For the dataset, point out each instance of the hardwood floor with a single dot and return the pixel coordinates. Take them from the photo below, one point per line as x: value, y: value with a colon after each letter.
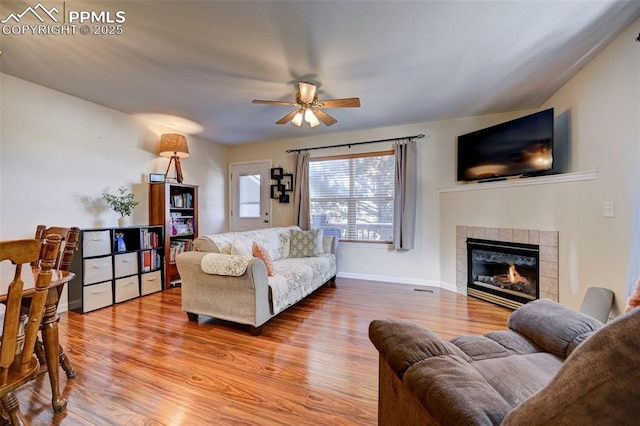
x: 143, y: 363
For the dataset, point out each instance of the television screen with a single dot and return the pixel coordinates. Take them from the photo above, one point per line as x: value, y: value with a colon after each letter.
x: 523, y: 146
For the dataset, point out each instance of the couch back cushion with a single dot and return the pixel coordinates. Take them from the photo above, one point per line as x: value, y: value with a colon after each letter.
x: 276, y: 240
x: 552, y: 326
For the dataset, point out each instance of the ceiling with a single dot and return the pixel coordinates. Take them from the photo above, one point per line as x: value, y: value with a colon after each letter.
x: 408, y: 61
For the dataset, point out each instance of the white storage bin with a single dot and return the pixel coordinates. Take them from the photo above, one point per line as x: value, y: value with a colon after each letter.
x: 97, y: 296
x: 151, y: 282
x: 96, y: 243
x: 127, y: 288
x: 126, y: 264
x: 97, y: 269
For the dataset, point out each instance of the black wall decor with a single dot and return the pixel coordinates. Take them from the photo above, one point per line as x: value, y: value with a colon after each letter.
x: 283, y: 184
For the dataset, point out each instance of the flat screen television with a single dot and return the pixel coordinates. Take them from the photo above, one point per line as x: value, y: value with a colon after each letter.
x: 520, y: 147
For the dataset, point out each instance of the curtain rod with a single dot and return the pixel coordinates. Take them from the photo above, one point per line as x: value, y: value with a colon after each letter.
x: 420, y: 136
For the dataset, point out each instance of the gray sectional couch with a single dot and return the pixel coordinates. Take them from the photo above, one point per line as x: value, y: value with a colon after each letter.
x: 553, y: 366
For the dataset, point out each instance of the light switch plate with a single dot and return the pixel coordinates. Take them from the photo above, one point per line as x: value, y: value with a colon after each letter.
x: 607, y: 209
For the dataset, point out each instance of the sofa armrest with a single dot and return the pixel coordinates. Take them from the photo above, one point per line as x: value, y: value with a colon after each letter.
x: 404, y: 343
x: 437, y: 373
x: 244, y: 299
x: 552, y: 326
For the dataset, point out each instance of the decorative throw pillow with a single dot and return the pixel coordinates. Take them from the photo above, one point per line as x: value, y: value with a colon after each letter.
x: 262, y: 253
x: 239, y: 248
x: 284, y: 244
x: 634, y: 299
x: 305, y: 243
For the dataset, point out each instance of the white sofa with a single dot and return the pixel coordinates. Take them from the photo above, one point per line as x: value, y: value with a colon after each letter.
x: 236, y: 286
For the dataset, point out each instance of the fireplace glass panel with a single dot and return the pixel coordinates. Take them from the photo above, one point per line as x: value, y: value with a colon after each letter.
x: 507, y: 270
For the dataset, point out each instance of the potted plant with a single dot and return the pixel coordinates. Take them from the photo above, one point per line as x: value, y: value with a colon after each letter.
x: 124, y: 203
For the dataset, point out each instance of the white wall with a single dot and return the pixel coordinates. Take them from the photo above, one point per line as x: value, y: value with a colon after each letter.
x: 59, y: 153
x: 603, y: 102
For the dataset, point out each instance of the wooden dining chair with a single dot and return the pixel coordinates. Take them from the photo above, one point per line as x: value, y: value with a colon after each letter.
x: 69, y: 246
x: 18, y: 362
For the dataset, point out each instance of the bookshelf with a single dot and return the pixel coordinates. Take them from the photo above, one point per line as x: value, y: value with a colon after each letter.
x: 174, y: 206
x: 115, y: 265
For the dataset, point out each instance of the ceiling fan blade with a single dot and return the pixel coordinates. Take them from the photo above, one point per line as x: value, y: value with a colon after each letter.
x: 325, y: 118
x: 340, y: 103
x: 287, y: 118
x: 307, y: 91
x: 258, y: 101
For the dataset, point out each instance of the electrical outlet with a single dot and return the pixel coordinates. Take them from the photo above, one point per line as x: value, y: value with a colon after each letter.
x: 607, y: 209
x: 342, y: 255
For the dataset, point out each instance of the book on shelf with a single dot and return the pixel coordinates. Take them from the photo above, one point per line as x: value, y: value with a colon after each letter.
x: 150, y: 260
x: 182, y: 201
x: 149, y: 239
x: 178, y: 246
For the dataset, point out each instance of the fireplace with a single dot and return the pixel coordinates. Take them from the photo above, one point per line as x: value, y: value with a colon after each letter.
x: 503, y: 273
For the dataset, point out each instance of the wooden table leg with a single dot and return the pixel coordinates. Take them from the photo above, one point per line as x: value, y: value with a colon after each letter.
x: 51, y: 349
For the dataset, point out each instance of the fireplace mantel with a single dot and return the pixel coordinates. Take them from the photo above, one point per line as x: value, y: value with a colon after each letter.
x: 539, y: 180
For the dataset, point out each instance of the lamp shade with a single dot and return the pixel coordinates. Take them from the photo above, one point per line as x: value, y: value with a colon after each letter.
x: 173, y: 145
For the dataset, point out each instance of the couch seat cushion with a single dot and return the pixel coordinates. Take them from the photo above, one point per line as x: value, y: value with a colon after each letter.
x: 294, y: 278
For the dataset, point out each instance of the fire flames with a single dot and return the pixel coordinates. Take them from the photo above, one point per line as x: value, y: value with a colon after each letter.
x: 514, y: 276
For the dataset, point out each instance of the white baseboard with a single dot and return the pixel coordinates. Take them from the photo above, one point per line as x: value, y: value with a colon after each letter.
x: 63, y: 307
x: 399, y: 280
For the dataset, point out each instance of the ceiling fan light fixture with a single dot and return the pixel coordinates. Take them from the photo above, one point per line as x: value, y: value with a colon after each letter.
x: 297, y: 119
x: 311, y: 118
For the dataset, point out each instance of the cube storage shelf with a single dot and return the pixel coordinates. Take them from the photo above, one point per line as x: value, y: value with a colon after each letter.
x: 114, y: 265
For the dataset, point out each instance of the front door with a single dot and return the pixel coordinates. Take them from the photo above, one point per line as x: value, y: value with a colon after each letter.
x: 250, y: 203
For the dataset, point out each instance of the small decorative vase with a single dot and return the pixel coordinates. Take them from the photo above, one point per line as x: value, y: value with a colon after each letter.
x: 124, y: 221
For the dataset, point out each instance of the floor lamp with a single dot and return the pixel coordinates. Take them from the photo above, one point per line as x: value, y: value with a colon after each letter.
x: 174, y: 146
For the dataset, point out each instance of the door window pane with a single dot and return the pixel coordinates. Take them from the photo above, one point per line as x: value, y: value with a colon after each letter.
x: 249, y: 195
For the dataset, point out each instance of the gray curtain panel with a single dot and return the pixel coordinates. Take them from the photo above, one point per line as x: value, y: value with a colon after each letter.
x: 404, y: 208
x: 301, y: 212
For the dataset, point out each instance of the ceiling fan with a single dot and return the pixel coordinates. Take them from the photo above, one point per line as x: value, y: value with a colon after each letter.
x: 308, y: 107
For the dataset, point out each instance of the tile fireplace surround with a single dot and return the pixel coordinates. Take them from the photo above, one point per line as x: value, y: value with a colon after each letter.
x: 547, y: 240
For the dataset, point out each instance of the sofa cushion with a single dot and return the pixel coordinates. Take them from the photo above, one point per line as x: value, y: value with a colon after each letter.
x: 551, y: 325
x: 306, y: 243
x: 294, y: 278
x: 517, y: 377
x: 454, y: 393
x: 224, y: 264
x: 514, y: 342
x: 275, y: 240
x: 597, y: 384
x: 239, y: 248
x: 263, y: 254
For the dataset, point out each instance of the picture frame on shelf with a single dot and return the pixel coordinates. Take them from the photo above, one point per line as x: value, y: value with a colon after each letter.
x: 276, y: 191
x: 157, y: 177
x: 284, y: 198
x: 276, y: 173
x: 287, y: 182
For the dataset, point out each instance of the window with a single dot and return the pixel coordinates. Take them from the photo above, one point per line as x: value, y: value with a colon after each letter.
x: 354, y: 194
